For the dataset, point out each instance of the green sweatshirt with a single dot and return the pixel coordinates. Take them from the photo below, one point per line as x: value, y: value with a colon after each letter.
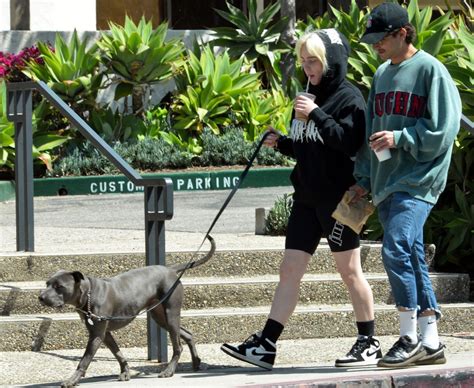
x: 418, y: 101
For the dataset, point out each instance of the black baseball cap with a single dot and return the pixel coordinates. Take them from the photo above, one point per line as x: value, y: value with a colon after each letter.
x: 383, y: 19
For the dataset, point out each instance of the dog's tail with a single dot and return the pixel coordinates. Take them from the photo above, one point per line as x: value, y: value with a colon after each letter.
x: 182, y: 267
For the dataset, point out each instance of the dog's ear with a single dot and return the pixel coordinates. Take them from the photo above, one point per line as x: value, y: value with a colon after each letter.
x: 78, y: 276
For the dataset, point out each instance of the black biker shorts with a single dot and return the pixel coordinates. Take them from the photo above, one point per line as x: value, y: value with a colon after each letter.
x: 308, y: 223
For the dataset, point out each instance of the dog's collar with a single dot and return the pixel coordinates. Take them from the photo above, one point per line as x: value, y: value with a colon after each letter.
x: 88, y: 313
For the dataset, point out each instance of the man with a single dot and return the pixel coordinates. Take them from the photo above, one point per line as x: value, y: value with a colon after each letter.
x: 414, y: 111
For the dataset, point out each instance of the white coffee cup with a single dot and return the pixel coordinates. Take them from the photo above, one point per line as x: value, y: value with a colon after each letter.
x: 383, y: 155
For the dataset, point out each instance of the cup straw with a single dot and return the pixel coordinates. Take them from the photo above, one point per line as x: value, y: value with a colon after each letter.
x: 307, y: 86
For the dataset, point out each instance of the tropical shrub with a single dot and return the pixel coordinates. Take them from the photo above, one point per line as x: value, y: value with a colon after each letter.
x: 227, y: 149
x: 11, y: 70
x: 276, y: 221
x: 258, y: 38
x: 70, y: 69
x: 45, y: 141
x: 7, y: 133
x: 451, y: 222
x: 139, y: 56
x: 207, y: 87
x: 260, y: 109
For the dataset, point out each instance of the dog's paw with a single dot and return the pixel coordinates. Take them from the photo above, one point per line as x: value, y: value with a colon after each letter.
x: 68, y: 384
x: 196, y: 364
x: 166, y: 373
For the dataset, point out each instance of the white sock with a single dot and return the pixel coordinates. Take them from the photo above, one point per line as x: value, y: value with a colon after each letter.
x: 408, y: 325
x: 429, y: 331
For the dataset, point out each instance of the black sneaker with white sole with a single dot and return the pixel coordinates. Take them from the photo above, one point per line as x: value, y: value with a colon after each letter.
x: 365, y: 351
x: 403, y: 353
x: 254, y: 350
x: 433, y: 356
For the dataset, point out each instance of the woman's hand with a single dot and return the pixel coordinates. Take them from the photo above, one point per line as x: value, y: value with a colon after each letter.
x: 272, y: 137
x: 304, y: 105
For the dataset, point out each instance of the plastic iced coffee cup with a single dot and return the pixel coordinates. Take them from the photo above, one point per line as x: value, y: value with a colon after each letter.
x: 299, y: 115
x: 383, y: 154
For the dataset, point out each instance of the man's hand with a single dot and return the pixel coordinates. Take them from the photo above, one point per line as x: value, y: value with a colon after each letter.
x: 381, y: 140
x: 359, y: 192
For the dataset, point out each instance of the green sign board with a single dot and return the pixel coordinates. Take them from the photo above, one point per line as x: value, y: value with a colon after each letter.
x: 116, y: 184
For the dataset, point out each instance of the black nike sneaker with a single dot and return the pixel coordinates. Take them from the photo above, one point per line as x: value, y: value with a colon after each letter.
x: 254, y: 350
x: 364, y: 352
x: 403, y: 353
x: 433, y: 356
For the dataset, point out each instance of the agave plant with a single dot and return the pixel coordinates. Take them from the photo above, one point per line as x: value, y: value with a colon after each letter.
x: 256, y: 37
x: 139, y: 56
x: 207, y: 88
x: 113, y: 126
x: 70, y: 69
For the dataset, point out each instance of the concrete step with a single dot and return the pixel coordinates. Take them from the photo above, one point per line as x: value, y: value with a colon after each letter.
x: 204, y: 292
x: 66, y: 331
x: 31, y: 267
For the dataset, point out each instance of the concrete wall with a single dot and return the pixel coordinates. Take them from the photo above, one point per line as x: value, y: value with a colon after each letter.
x: 55, y: 15
x: 14, y: 41
x: 4, y: 15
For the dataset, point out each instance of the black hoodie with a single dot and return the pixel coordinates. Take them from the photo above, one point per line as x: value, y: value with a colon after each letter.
x: 324, y: 150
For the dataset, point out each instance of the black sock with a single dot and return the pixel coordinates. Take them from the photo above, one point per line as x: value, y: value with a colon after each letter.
x: 272, y: 330
x: 366, y: 329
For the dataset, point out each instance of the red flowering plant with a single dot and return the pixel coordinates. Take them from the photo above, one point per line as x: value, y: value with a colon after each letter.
x: 46, y: 135
x: 12, y: 65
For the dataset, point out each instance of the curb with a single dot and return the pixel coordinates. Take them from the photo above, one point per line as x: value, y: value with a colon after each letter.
x: 447, y: 377
x: 182, y: 181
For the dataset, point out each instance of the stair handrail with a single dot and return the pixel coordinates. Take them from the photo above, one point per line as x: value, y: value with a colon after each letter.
x: 158, y: 191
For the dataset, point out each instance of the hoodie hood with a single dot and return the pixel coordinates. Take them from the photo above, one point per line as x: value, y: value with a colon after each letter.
x: 337, y: 54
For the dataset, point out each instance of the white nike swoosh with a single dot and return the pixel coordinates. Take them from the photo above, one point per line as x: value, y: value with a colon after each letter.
x: 255, y: 352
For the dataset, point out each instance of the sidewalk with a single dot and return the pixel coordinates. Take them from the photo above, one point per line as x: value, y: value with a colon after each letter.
x: 114, y: 223
x: 315, y: 368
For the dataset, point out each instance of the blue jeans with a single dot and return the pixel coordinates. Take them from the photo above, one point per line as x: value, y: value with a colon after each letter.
x: 402, y: 217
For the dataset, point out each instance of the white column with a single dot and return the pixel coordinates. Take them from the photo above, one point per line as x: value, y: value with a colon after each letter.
x: 62, y: 15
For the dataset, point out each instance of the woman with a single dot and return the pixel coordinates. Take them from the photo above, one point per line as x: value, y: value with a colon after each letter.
x: 323, y: 145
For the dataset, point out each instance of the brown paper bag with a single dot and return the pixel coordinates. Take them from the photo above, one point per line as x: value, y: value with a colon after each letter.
x: 354, y: 214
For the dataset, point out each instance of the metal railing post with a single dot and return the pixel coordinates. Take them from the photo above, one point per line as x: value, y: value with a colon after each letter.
x: 158, y: 192
x: 158, y: 208
x: 19, y: 111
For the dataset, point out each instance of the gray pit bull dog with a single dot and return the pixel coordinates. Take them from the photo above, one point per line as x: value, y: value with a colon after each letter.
x: 125, y: 295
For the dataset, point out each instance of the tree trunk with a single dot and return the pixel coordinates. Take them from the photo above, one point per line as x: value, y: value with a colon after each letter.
x: 19, y: 14
x: 137, y: 101
x: 288, y: 36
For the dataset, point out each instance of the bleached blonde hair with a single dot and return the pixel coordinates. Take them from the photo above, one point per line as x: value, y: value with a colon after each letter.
x: 315, y: 46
